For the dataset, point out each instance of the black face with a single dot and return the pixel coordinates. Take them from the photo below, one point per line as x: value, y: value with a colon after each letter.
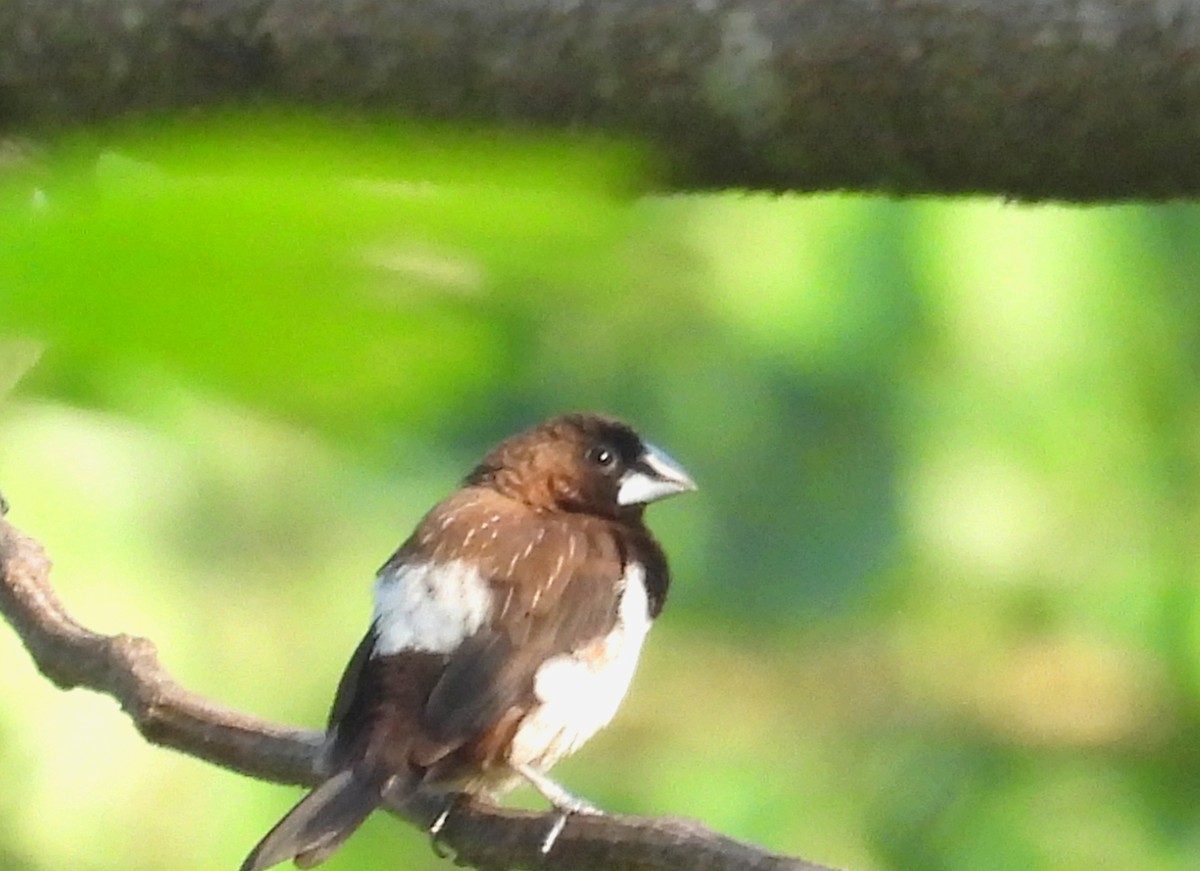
x: 612, y: 448
x: 608, y: 449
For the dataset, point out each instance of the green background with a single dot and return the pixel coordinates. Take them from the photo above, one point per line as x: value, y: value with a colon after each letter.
x: 935, y: 603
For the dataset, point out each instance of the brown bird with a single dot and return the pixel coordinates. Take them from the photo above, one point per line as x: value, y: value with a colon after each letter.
x: 506, y: 631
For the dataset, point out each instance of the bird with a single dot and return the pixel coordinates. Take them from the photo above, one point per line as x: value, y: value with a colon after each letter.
x: 505, y: 633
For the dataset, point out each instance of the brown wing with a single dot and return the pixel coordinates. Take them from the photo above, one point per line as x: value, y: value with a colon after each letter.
x: 556, y: 584
x: 375, y: 718
x: 492, y: 673
x: 348, y: 686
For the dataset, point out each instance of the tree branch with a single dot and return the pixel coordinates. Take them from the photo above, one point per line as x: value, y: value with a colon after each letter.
x: 1025, y: 98
x: 485, y: 837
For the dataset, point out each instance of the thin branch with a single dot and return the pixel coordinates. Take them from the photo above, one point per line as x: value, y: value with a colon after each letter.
x: 1066, y: 100
x: 485, y: 837
x: 127, y: 668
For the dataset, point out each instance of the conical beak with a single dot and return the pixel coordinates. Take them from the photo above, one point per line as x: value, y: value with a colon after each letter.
x: 654, y: 476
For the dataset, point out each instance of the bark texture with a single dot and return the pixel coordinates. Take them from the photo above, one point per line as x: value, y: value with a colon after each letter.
x: 1068, y: 99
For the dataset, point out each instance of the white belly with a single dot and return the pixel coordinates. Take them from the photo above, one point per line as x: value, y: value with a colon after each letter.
x: 579, y: 692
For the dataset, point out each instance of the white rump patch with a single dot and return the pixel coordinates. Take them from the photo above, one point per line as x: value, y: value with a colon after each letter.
x: 429, y: 606
x: 579, y: 692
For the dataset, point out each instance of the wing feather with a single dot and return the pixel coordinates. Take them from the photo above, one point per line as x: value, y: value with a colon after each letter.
x: 556, y: 587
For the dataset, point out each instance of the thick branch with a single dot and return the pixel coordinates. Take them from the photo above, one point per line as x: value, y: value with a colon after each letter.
x: 127, y: 669
x: 1025, y: 98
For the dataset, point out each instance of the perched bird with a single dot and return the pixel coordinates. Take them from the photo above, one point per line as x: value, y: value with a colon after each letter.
x: 505, y: 633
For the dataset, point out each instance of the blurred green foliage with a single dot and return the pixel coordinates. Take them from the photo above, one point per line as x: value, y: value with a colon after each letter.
x: 935, y: 604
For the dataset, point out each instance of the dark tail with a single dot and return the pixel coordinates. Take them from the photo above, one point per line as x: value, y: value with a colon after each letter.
x: 318, y: 824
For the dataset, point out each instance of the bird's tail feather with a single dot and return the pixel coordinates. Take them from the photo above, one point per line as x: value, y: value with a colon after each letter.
x: 318, y: 824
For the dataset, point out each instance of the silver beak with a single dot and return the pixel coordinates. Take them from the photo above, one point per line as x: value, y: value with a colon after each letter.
x: 654, y: 476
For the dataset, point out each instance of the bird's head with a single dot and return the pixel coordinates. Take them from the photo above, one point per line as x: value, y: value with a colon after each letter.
x: 582, y: 463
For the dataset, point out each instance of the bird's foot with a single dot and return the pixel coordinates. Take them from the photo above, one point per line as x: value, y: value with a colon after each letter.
x: 560, y: 823
x: 564, y: 802
x: 573, y: 804
x: 436, y: 827
x: 576, y: 806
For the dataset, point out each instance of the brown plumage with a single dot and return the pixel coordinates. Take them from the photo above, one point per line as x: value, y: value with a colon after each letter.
x: 506, y: 630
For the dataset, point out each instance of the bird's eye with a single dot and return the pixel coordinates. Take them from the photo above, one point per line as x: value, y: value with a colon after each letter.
x: 602, y: 457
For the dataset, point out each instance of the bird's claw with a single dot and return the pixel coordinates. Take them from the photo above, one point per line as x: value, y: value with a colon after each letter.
x: 560, y: 823
x: 435, y: 830
x: 566, y: 809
